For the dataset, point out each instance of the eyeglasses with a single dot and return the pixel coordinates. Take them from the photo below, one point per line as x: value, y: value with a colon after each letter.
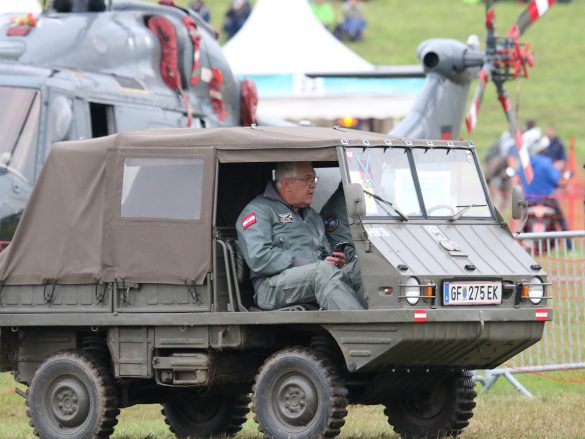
x: 307, y: 180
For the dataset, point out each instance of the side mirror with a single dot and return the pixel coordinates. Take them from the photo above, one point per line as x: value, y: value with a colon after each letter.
x: 356, y: 202
x: 517, y: 202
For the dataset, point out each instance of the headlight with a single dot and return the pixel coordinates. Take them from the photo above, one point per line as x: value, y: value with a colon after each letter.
x: 535, y: 290
x: 412, y: 290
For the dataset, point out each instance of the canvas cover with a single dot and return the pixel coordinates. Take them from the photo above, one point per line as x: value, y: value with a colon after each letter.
x: 72, y: 232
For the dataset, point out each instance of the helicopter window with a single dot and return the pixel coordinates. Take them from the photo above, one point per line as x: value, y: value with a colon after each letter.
x: 19, y: 125
x: 162, y: 188
x: 102, y: 119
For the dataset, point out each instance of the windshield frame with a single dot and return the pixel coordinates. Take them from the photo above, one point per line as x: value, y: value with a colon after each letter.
x: 22, y: 159
x: 424, y: 216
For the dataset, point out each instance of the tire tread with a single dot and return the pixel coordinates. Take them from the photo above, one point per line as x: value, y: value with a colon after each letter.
x: 338, y: 392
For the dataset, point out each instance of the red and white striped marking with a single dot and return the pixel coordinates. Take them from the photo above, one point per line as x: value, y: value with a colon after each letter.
x: 541, y: 314
x: 489, y: 18
x: 524, y: 157
x: 537, y: 8
x: 420, y: 315
x: 471, y: 119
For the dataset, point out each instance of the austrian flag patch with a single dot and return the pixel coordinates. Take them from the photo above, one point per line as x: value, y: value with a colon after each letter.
x: 248, y: 220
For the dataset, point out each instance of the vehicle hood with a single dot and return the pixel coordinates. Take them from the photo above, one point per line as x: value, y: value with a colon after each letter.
x: 446, y: 249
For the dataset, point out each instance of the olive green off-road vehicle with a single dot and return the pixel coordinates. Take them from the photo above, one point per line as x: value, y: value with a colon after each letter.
x: 123, y: 286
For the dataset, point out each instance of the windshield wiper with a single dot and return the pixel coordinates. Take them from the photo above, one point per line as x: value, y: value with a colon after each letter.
x: 402, y: 216
x: 465, y: 208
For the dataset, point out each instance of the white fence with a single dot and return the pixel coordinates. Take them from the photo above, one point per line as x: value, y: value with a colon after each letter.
x: 562, y: 256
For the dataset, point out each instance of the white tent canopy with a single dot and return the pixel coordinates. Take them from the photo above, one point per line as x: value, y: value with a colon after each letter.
x: 282, y: 40
x: 19, y: 6
x: 284, y: 37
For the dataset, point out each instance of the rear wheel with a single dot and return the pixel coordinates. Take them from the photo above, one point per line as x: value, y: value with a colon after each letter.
x: 208, y: 416
x: 298, y: 395
x: 442, y: 411
x: 72, y: 396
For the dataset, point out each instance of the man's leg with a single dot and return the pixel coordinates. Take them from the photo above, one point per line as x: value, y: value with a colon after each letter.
x: 333, y: 288
x: 353, y: 273
x: 320, y: 281
x: 294, y: 285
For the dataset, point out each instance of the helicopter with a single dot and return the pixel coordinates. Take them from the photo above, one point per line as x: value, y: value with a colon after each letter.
x: 87, y: 68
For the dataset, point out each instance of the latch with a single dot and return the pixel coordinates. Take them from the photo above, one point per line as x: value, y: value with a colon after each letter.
x: 123, y: 288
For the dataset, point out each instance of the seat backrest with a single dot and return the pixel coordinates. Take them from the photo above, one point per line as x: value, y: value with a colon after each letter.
x: 242, y: 269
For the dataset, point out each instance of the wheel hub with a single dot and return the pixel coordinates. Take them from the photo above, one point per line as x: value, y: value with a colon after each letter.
x: 69, y: 401
x: 296, y: 400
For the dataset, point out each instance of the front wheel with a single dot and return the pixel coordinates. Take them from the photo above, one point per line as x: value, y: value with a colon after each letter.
x: 207, y: 416
x: 72, y: 396
x: 298, y: 395
x: 441, y: 411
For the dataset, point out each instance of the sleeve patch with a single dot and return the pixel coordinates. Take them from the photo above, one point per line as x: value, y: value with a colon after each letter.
x: 248, y: 220
x: 331, y: 223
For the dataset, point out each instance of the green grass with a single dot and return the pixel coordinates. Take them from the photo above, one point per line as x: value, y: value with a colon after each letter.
x: 555, y: 412
x: 551, y: 95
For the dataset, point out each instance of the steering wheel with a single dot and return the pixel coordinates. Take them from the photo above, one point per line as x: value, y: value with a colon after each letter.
x: 442, y: 206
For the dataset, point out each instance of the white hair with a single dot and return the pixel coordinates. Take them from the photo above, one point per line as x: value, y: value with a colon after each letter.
x: 285, y: 170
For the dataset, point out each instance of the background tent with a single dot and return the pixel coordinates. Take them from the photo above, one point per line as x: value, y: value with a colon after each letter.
x: 282, y: 41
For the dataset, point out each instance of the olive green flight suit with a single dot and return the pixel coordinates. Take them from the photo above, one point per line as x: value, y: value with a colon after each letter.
x: 284, y: 250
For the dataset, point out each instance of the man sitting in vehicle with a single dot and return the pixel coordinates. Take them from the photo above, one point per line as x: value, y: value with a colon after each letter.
x: 283, y: 242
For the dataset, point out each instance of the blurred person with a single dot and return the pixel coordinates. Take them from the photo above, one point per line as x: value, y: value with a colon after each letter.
x: 353, y: 25
x: 546, y: 179
x: 203, y: 11
x: 236, y: 16
x: 555, y: 149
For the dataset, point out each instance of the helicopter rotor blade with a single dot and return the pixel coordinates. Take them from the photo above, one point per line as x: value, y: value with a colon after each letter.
x: 473, y: 113
x: 484, y: 73
x: 535, y: 10
x: 515, y: 131
x: 490, y: 16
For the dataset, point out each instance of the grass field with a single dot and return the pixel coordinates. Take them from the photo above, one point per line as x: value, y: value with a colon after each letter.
x: 551, y: 95
x: 555, y: 412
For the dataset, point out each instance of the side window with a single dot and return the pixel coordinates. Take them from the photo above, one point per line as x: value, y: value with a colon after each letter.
x: 162, y: 188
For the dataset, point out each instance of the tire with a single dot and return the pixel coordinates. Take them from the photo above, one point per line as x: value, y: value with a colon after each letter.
x: 209, y: 416
x: 298, y: 395
x: 444, y: 411
x: 72, y: 396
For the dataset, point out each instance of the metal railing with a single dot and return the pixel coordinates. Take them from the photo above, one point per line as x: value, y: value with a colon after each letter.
x: 562, y: 255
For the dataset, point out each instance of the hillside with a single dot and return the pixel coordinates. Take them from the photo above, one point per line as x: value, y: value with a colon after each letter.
x: 396, y: 27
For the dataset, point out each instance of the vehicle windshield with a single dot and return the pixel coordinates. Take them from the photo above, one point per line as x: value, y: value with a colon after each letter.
x: 449, y: 182
x: 450, y: 185
x: 385, y: 173
x: 19, y: 122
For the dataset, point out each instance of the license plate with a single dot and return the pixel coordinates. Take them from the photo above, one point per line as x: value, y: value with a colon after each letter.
x: 472, y: 293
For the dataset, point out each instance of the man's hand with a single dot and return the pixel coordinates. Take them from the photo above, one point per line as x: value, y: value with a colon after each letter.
x: 337, y: 258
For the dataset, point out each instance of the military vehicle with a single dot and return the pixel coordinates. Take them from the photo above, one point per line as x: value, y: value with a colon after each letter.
x: 123, y: 285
